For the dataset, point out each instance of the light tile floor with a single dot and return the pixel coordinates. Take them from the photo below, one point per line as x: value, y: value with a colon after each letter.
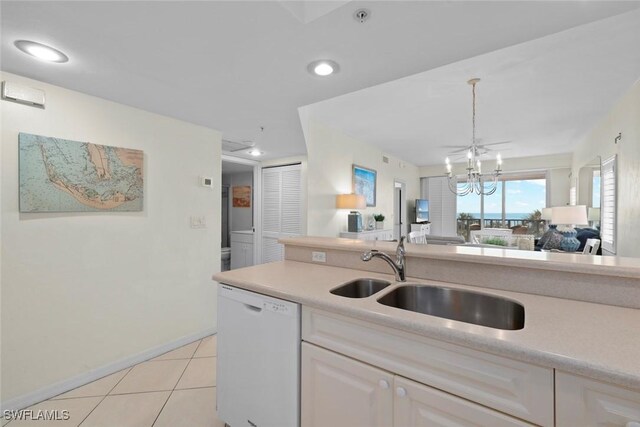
x: 176, y: 389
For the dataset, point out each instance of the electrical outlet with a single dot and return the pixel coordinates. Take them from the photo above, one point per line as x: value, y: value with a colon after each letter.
x: 319, y: 256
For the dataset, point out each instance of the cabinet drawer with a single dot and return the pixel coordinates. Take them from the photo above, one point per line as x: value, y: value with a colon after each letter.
x: 417, y: 405
x: 241, y: 237
x: 513, y: 387
x: 585, y: 403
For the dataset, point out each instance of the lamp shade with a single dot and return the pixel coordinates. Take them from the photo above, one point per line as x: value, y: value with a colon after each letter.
x: 350, y: 201
x: 593, y: 214
x: 546, y: 213
x: 569, y: 215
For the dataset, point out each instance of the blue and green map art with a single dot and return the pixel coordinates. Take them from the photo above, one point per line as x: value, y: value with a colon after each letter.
x: 58, y: 175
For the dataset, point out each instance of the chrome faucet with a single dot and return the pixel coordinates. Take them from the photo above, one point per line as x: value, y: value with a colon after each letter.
x: 398, y: 265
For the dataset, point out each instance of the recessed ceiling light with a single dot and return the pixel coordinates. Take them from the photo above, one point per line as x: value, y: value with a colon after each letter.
x: 255, y: 152
x: 41, y: 51
x: 323, y: 67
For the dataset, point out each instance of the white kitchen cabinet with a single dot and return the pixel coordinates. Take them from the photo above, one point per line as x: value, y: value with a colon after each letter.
x: 340, y: 392
x: 368, y: 235
x: 584, y: 402
x: 241, y: 249
x: 510, y: 386
x: 417, y: 405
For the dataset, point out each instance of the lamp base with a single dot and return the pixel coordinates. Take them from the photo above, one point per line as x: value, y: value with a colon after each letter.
x: 354, y: 223
x: 569, y: 242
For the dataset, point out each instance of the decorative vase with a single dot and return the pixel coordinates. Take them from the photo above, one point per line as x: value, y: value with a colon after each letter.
x: 379, y: 225
x: 569, y: 242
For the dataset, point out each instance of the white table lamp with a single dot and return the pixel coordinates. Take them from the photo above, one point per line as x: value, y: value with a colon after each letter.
x: 566, y: 217
x: 352, y: 201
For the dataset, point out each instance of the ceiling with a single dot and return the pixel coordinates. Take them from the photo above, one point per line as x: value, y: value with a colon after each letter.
x: 542, y: 95
x: 237, y: 66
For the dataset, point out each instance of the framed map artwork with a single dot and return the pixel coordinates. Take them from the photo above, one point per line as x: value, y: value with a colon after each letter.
x: 58, y: 175
x: 364, y: 183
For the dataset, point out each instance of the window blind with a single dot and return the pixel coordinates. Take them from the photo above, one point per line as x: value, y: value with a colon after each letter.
x: 608, y: 203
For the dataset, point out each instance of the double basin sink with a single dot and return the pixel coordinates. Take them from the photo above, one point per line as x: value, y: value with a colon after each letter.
x: 456, y: 304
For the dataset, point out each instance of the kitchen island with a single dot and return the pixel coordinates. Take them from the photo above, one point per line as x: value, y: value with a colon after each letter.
x: 572, y: 362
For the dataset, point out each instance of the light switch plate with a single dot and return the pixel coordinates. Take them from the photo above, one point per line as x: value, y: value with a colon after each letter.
x: 198, y: 222
x: 319, y: 256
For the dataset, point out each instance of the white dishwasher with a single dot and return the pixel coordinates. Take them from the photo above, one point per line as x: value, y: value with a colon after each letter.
x: 258, y: 371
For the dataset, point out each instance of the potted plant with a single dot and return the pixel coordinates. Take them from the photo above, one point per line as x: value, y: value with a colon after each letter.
x: 379, y: 221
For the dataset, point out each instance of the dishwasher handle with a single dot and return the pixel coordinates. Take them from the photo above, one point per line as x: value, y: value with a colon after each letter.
x: 253, y: 308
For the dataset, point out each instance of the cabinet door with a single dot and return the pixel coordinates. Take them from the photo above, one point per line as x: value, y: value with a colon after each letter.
x: 237, y: 255
x: 585, y: 403
x: 339, y: 392
x: 417, y: 405
x: 248, y: 255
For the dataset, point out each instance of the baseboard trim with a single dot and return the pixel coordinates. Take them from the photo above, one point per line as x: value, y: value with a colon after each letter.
x: 63, y: 386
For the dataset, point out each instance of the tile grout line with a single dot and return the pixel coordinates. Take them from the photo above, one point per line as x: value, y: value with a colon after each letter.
x: 105, y: 396
x: 176, y: 384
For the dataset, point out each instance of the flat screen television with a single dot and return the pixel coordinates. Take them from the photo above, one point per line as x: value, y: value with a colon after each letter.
x: 422, y: 210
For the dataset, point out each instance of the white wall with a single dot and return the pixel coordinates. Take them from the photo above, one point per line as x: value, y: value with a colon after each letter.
x: 331, y: 155
x: 623, y: 118
x: 82, y: 290
x: 239, y: 218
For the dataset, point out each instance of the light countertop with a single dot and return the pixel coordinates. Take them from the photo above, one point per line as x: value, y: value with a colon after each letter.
x: 595, y: 340
x: 575, y: 263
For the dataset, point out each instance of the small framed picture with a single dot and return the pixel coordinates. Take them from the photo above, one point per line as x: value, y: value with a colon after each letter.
x: 365, y: 183
x: 242, y: 196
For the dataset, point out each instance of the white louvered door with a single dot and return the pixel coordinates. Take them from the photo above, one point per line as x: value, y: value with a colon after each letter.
x: 281, y: 208
x: 608, y: 201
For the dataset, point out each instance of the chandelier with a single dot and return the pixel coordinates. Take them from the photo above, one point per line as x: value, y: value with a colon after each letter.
x: 476, y: 182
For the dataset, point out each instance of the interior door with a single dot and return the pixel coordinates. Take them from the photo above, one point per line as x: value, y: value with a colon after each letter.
x: 399, y: 210
x: 281, y: 208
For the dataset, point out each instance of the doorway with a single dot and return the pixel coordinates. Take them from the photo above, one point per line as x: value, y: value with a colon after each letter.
x: 239, y: 219
x: 399, y: 209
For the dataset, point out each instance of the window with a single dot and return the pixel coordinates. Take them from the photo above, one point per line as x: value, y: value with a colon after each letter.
x: 608, y: 203
x: 517, y: 203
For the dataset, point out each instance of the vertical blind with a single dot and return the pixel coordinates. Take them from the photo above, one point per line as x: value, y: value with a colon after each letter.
x: 608, y: 202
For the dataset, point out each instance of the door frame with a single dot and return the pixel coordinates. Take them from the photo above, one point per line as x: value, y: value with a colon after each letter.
x: 257, y: 202
x: 402, y: 225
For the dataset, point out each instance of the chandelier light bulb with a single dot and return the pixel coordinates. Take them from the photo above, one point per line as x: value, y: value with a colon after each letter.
x: 446, y: 161
x: 469, y: 154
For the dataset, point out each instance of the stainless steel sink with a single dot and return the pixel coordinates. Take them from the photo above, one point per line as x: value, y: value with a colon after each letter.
x: 360, y: 288
x: 456, y: 304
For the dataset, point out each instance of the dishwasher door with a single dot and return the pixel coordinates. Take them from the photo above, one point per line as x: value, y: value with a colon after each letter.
x: 258, y: 371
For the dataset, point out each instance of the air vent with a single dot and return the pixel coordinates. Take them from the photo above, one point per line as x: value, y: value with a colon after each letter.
x: 23, y: 94
x: 385, y: 159
x: 233, y: 146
